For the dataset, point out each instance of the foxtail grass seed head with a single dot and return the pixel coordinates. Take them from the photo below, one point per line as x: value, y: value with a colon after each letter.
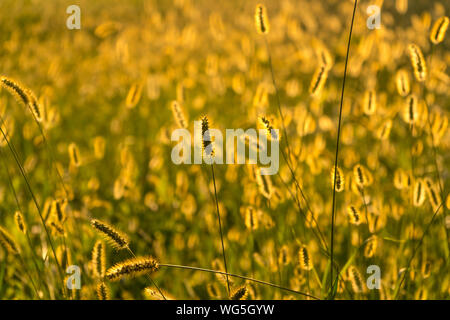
x: 265, y: 184
x: 34, y: 105
x: 354, y: 215
x: 132, y: 268
x: 20, y: 222
x: 116, y: 238
x: 370, y: 102
x: 283, y: 257
x: 371, y: 247
x: 419, y: 193
x: 134, y: 95
x: 418, y: 62
x: 356, y: 280
x: 402, y: 81
x: 102, y: 291
x: 304, y: 258
x: 57, y: 210
x: 178, y: 114
x: 251, y: 219
x: 239, y: 294
x: 99, y: 259
x: 361, y: 175
x: 266, y: 124
x: 318, y: 81
x: 207, y: 144
x: 8, y: 242
x: 411, y: 113
x: 432, y: 194
x: 23, y: 95
x: 384, y: 130
x: 439, y: 29
x: 340, y: 182
x: 261, y: 19
x: 57, y: 228
x: 74, y: 155
x: 16, y: 89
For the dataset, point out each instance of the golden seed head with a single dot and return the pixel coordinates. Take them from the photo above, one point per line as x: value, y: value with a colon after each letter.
x: 356, y: 280
x: 178, y: 114
x: 304, y: 258
x: 402, y: 81
x: 418, y: 62
x: 371, y: 247
x: 361, y: 175
x: 266, y: 124
x: 410, y: 113
x: 8, y: 242
x: 116, y: 238
x: 99, y: 259
x: 207, y: 144
x: 419, y: 193
x: 102, y: 291
x: 340, y: 182
x: 318, y: 80
x: 439, y: 29
x: 239, y: 294
x: 134, y: 95
x: 261, y: 19
x: 20, y: 222
x: 265, y: 184
x: 370, y: 102
x: 251, y: 219
x: 354, y: 215
x: 74, y: 155
x: 132, y: 268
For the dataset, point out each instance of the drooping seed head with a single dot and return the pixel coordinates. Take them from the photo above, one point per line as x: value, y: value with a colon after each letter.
x: 8, y: 242
x: 116, y: 238
x: 132, y: 268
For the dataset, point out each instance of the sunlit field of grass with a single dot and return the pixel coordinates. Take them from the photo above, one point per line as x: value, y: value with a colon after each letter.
x: 93, y: 207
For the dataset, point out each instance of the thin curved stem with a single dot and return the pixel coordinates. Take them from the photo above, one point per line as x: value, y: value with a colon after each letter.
x: 237, y: 276
x: 220, y: 227
x: 337, y: 144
